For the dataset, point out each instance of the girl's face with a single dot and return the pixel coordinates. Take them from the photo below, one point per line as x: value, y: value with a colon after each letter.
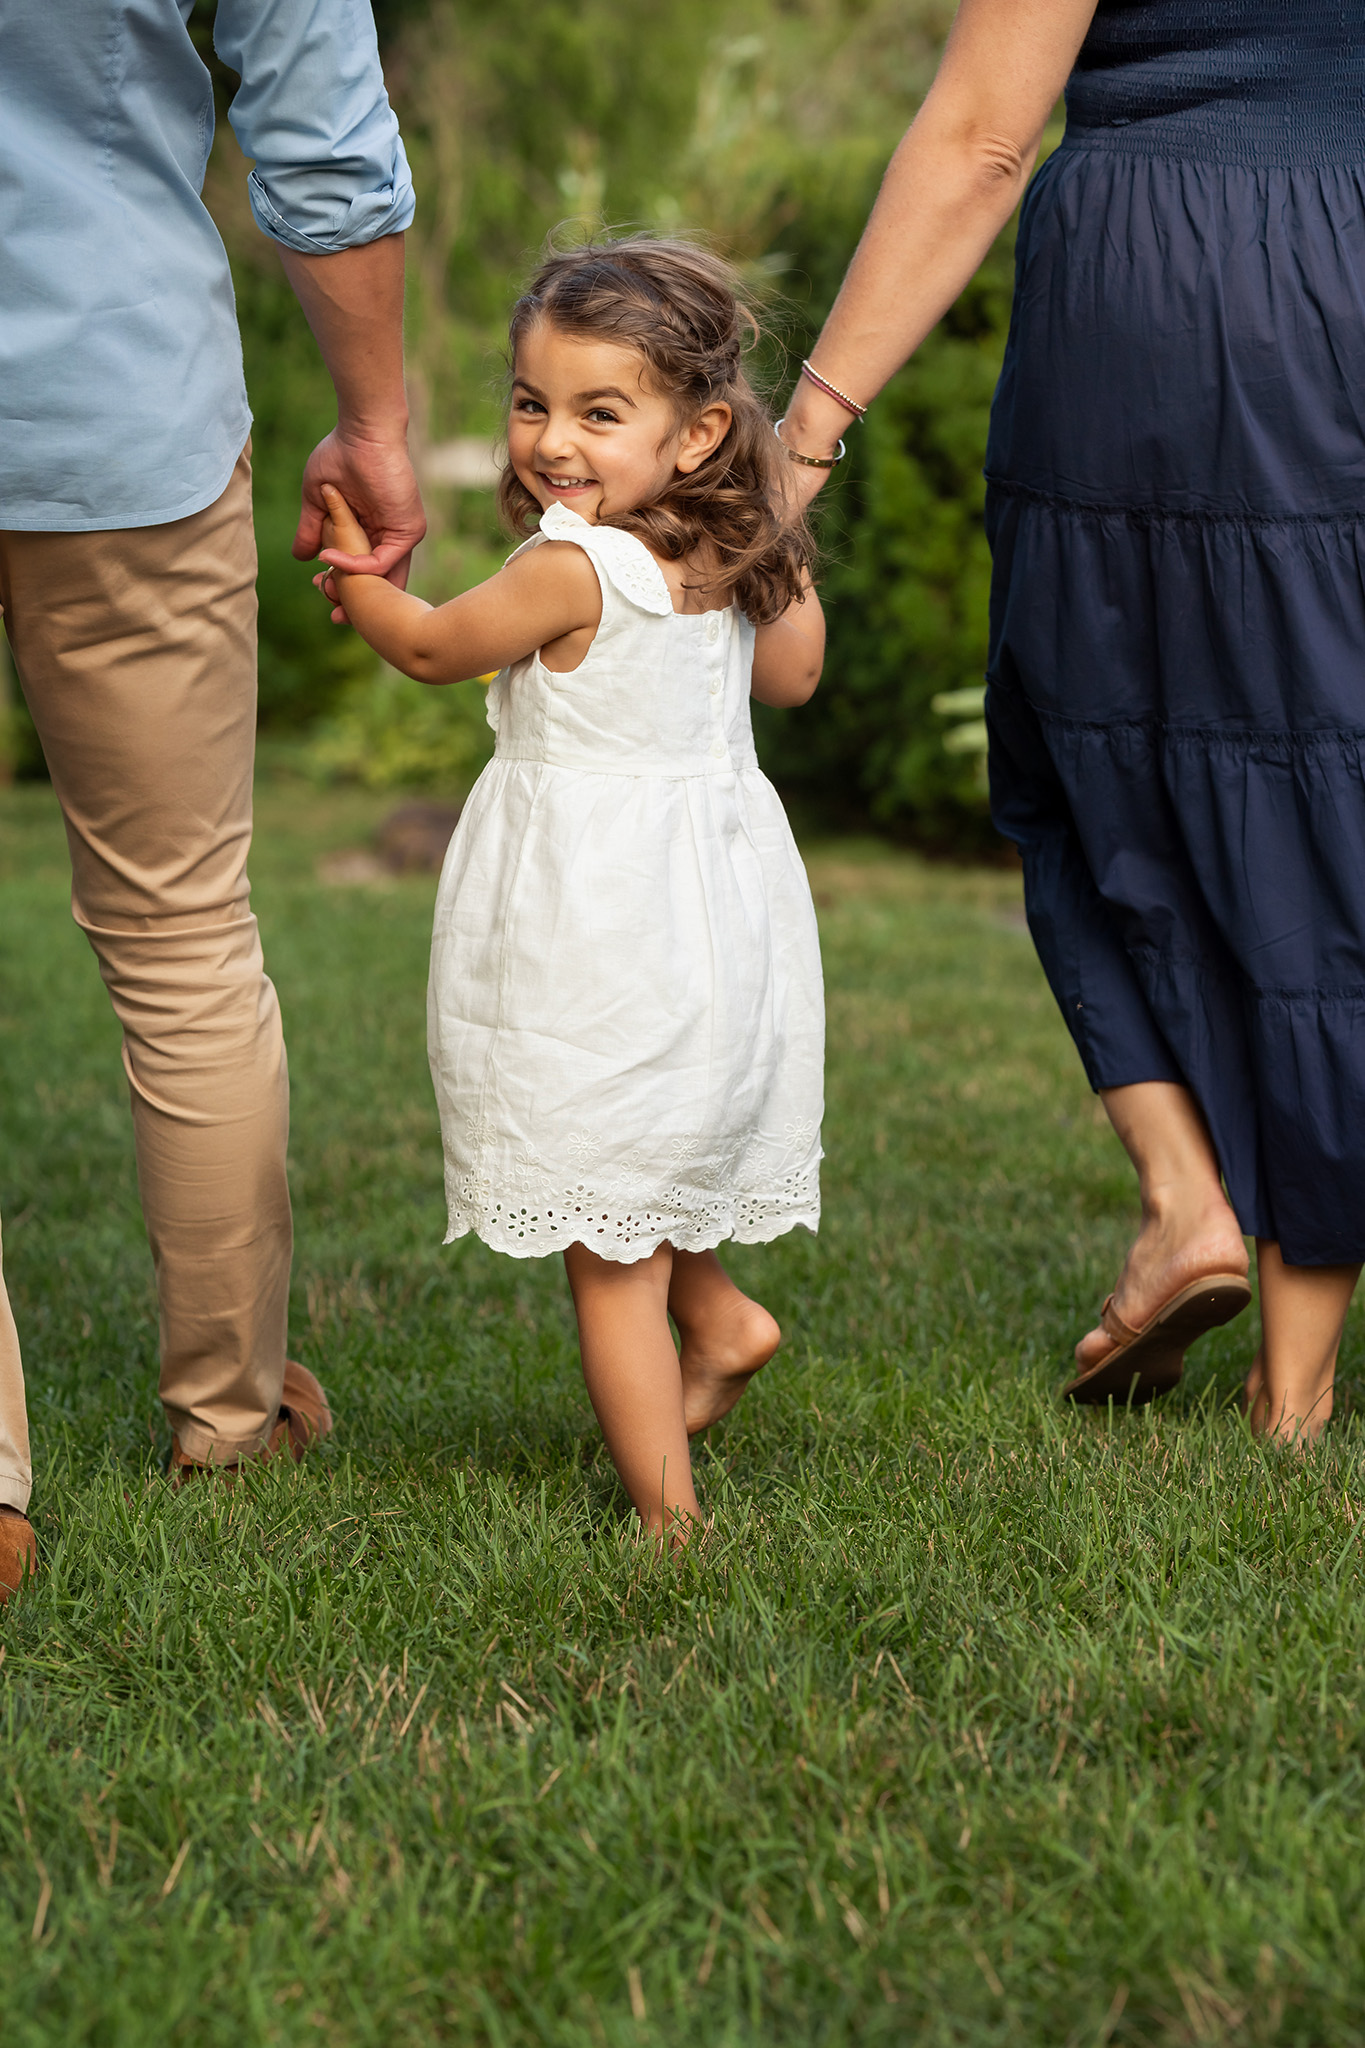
x: 588, y: 430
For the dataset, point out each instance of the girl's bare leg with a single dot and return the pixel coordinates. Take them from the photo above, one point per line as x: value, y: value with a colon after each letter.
x: 635, y: 1383
x: 1188, y: 1227
x: 1303, y: 1309
x: 726, y: 1337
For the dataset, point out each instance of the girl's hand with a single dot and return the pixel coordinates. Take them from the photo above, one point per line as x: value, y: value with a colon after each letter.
x: 342, y: 532
x: 342, y: 536
x: 326, y: 583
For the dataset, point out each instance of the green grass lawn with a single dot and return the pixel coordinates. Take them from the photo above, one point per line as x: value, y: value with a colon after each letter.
x: 975, y: 1721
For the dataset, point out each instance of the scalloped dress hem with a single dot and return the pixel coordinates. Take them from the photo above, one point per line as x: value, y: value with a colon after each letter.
x: 705, y: 1238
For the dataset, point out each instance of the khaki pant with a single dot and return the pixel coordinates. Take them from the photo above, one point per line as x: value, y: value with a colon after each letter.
x: 137, y: 654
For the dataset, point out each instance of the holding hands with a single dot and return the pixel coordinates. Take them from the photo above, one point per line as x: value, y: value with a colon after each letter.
x: 345, y: 545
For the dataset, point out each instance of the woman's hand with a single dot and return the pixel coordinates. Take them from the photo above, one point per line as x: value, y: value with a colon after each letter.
x: 815, y: 425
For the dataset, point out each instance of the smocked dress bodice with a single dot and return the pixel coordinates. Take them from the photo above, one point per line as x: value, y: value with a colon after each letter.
x: 660, y: 692
x: 1261, y: 82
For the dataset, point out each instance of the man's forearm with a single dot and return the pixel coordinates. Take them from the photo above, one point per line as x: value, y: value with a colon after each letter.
x: 353, y: 302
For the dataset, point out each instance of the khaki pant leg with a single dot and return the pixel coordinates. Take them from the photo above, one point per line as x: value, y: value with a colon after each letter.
x: 137, y: 654
x: 16, y: 1469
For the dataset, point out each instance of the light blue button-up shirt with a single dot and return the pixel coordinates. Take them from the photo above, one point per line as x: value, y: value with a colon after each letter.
x: 122, y: 401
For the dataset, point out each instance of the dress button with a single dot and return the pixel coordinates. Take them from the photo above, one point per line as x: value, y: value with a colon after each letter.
x: 712, y: 627
x: 718, y: 749
x: 715, y: 686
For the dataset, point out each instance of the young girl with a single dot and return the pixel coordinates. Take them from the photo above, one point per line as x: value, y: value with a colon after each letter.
x: 625, y: 1009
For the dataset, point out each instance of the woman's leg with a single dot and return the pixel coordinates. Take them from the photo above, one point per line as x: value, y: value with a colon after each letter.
x: 1303, y: 1309
x: 1188, y: 1228
x: 726, y: 1337
x: 634, y: 1381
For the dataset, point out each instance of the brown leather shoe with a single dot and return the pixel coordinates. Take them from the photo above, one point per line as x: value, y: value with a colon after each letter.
x: 18, y: 1552
x: 305, y: 1419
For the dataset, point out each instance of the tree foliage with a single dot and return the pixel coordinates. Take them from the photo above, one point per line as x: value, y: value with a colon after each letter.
x: 763, y: 124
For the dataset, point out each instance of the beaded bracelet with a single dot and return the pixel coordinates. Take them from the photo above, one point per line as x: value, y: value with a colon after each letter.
x: 833, y: 391
x: 811, y: 461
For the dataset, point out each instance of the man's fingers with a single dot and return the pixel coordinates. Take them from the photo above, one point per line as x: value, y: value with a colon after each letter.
x: 308, y: 534
x: 393, y: 554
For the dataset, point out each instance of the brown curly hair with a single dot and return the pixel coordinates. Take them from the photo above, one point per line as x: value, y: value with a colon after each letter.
x: 679, y: 305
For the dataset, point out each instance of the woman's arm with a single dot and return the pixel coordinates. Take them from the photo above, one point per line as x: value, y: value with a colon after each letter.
x: 539, y: 597
x: 789, y: 653
x: 949, y: 190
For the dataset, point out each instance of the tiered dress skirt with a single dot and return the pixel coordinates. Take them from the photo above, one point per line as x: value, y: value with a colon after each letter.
x: 1177, y: 669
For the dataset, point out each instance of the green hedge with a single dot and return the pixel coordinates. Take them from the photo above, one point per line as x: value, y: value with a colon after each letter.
x: 905, y: 586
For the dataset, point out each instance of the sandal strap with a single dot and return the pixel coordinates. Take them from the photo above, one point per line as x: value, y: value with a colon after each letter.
x: 1112, y: 1323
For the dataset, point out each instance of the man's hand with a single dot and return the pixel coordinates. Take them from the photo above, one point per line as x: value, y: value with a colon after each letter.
x: 354, y: 305
x: 375, y: 478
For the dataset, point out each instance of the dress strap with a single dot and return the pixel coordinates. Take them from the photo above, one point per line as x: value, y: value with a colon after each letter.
x: 620, y: 559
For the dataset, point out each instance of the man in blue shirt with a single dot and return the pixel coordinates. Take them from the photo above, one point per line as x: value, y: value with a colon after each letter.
x: 127, y: 577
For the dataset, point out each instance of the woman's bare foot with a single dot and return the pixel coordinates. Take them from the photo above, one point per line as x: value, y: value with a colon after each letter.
x: 725, y: 1337
x: 1188, y: 1227
x: 1288, y: 1392
x: 1283, y: 1428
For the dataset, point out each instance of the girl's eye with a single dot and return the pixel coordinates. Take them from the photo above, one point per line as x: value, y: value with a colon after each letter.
x: 532, y: 406
x: 600, y: 413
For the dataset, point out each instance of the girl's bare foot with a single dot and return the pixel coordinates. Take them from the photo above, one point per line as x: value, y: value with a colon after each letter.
x: 719, y: 1362
x: 725, y: 1337
x: 630, y: 1369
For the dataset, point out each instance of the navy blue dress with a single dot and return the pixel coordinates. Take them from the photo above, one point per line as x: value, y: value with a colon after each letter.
x: 1177, y: 513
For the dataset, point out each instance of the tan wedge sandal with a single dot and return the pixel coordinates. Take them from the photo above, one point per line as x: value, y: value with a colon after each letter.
x: 1149, y: 1361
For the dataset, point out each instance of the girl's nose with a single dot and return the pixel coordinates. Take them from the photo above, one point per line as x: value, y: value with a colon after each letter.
x: 555, y: 445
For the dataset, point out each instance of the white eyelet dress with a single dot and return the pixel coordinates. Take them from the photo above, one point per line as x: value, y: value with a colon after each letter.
x: 626, y: 1014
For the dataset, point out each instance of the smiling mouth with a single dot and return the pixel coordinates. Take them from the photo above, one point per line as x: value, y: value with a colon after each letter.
x: 567, y: 483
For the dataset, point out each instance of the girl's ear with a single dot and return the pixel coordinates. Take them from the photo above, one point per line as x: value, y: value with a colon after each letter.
x: 703, y: 437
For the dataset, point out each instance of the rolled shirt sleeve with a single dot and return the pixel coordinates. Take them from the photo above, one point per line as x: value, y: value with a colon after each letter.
x: 312, y: 113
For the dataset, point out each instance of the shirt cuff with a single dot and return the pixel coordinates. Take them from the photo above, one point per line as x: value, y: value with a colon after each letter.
x: 369, y: 216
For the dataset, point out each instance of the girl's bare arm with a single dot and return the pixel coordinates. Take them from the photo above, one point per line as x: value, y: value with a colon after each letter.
x: 789, y: 654
x: 949, y: 189
x: 539, y: 597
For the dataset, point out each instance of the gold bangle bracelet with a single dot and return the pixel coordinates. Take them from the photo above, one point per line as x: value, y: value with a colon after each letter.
x: 811, y: 461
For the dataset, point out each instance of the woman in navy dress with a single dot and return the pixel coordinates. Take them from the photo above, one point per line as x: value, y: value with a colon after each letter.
x: 1177, y: 668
